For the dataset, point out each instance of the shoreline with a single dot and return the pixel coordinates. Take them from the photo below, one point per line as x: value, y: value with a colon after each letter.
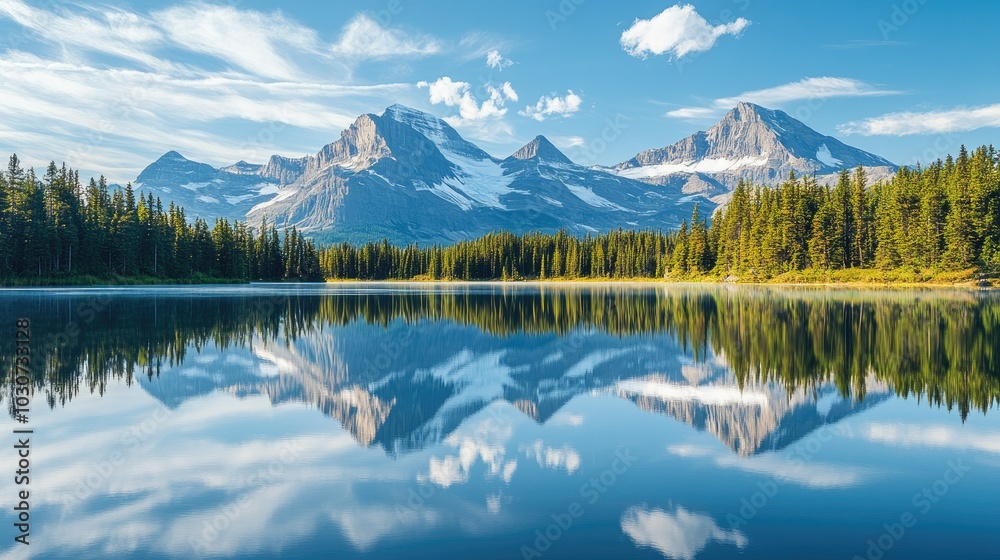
x: 968, y: 284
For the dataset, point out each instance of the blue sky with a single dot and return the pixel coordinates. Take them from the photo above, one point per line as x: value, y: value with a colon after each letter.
x: 108, y: 87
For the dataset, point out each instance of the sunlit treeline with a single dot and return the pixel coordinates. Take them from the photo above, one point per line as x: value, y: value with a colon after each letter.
x: 945, y: 217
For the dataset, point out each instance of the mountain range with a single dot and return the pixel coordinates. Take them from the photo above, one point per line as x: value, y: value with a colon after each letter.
x: 440, y: 373
x: 408, y: 176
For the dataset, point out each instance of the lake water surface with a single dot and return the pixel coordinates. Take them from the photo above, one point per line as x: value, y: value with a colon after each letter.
x: 499, y: 421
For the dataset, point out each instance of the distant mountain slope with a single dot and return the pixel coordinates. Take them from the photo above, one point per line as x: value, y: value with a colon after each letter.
x: 204, y: 191
x: 410, y: 177
x: 751, y: 143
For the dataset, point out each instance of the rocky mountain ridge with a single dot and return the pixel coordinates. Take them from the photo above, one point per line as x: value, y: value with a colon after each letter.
x: 408, y: 176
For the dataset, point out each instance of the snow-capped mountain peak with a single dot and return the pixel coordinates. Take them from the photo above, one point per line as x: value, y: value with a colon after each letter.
x: 756, y: 144
x: 446, y: 138
x: 409, y: 176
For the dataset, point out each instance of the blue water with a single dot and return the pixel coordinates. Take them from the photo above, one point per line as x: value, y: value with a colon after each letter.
x: 282, y: 422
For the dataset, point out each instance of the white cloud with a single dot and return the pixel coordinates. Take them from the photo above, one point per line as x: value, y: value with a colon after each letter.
x: 475, y: 45
x: 483, y: 440
x: 363, y: 37
x: 81, y: 119
x: 509, y: 91
x: 678, y: 30
x: 779, y: 467
x: 806, y: 89
x: 944, y: 437
x: 563, y: 418
x: 265, y: 44
x: 549, y: 105
x: 813, y: 475
x: 496, y: 60
x: 553, y: 458
x: 687, y: 450
x: 693, y: 113
x: 930, y: 122
x: 115, y: 32
x: 568, y: 142
x: 459, y: 94
x: 680, y: 535
x: 271, y: 78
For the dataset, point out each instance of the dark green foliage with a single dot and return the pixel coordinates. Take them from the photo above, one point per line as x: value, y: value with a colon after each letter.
x: 942, y: 218
x: 945, y: 218
x: 56, y: 229
x: 619, y: 254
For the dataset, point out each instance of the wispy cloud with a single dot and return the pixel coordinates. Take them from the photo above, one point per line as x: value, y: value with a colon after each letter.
x: 475, y: 45
x: 679, y: 30
x: 567, y: 142
x: 364, y: 38
x: 108, y: 31
x: 156, y: 111
x: 809, y: 88
x: 813, y: 475
x: 694, y: 112
x: 497, y: 61
x: 105, y: 89
x: 550, y: 105
x: 806, y: 89
x: 943, y: 437
x: 908, y: 123
x: 780, y: 467
x: 263, y: 44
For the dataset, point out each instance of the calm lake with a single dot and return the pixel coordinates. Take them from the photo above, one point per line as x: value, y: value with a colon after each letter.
x: 498, y: 421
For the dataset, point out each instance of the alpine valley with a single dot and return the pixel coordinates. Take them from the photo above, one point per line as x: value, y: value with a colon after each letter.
x: 407, y: 176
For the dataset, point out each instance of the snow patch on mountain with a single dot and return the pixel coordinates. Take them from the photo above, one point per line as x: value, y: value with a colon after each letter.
x: 824, y: 155
x: 283, y: 194
x: 479, y: 182
x: 712, y: 395
x: 710, y: 165
x: 587, y: 195
x: 239, y: 199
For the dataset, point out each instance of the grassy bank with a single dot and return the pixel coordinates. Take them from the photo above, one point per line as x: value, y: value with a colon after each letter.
x: 846, y: 277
